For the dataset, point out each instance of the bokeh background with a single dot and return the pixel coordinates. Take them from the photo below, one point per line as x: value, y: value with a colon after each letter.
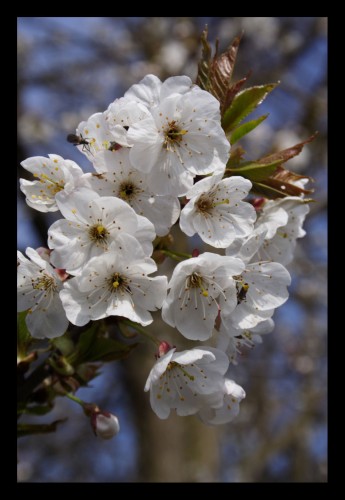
x: 71, y: 67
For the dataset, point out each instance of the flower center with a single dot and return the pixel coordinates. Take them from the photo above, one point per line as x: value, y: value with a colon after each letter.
x: 173, y: 365
x: 206, y: 204
x: 117, y: 282
x: 196, y: 281
x: 127, y: 190
x: 98, y: 233
x: 44, y: 282
x: 173, y: 135
x: 52, y: 186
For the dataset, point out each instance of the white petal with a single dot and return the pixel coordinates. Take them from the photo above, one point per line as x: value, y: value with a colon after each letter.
x: 158, y: 369
x: 147, y: 144
x: 146, y: 91
x: 75, y: 206
x: 175, y: 85
x: 48, y: 323
x: 74, y: 303
x: 268, y: 284
x: 192, y: 355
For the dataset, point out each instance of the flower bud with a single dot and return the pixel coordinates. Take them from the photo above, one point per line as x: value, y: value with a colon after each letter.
x: 105, y: 425
x: 163, y: 348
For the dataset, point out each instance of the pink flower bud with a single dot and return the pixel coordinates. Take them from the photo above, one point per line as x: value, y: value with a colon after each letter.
x: 163, y: 348
x: 258, y: 203
x: 105, y: 424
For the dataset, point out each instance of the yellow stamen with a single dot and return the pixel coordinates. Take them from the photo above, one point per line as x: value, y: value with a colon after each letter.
x: 226, y: 201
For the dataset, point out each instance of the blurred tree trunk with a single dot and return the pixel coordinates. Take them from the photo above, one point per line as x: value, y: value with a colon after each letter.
x: 179, y: 449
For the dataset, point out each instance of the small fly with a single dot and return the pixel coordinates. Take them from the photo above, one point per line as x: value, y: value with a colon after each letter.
x: 242, y: 290
x: 79, y: 140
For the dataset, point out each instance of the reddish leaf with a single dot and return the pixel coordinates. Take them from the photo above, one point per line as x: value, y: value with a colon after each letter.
x: 236, y: 156
x: 268, y: 176
x: 286, y: 154
x: 283, y: 175
x: 214, y: 74
x: 233, y: 90
x: 272, y: 189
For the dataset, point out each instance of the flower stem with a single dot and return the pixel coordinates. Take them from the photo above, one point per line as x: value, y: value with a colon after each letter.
x: 74, y: 398
x: 141, y: 330
x: 179, y: 256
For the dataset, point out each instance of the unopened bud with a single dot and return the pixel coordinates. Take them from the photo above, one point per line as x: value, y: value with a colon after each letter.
x: 163, y: 348
x: 258, y: 203
x: 105, y: 425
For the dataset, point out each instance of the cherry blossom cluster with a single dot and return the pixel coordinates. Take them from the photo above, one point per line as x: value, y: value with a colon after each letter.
x: 159, y: 156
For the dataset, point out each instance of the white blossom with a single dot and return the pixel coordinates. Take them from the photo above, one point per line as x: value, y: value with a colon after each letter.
x: 261, y: 287
x: 120, y: 179
x: 121, y: 114
x: 215, y: 210
x: 187, y: 381
x: 150, y: 91
x: 201, y: 288
x: 231, y: 339
x: 38, y: 289
x: 95, y: 131
x: 282, y: 221
x: 232, y: 396
x: 115, y: 284
x: 54, y: 175
x: 280, y: 244
x: 91, y: 223
x: 181, y: 138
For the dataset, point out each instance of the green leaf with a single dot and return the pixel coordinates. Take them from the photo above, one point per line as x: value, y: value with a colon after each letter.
x: 233, y: 89
x: 86, y: 340
x: 244, y: 103
x: 91, y: 347
x: 64, y: 344
x: 27, y: 429
x: 24, y: 338
x: 245, y: 128
x: 109, y: 350
x: 254, y: 171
